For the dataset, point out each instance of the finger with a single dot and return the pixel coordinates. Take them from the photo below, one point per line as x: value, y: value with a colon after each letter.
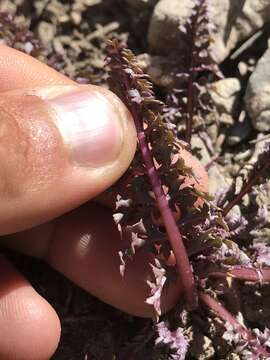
x: 59, y: 147
x: 84, y: 246
x: 18, y: 70
x: 29, y: 327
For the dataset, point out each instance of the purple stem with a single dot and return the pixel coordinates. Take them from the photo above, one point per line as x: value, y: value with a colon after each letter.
x: 245, y: 189
x: 246, y: 274
x: 189, y: 119
x: 172, y: 230
x: 192, y: 70
x: 190, y: 97
x: 225, y: 315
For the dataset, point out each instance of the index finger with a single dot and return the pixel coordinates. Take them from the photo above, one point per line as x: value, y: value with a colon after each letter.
x: 19, y: 70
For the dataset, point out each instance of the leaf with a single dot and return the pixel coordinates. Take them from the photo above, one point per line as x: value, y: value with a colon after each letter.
x: 156, y: 287
x: 175, y: 340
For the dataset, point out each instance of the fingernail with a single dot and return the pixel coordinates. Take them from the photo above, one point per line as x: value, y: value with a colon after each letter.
x: 90, y: 124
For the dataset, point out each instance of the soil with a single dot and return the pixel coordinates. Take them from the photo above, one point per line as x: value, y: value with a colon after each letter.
x: 77, y: 30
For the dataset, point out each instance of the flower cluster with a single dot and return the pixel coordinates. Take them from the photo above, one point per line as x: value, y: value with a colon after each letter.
x: 189, y: 100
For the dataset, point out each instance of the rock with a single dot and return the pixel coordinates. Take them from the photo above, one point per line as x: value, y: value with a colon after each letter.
x: 243, y: 174
x: 141, y: 4
x: 12, y: 6
x: 226, y: 119
x: 202, y: 348
x: 200, y: 147
x: 234, y: 22
x: 261, y: 236
x: 163, y: 34
x: 260, y: 144
x: 76, y: 17
x: 218, y: 178
x: 257, y: 97
x: 243, y: 68
x: 233, y: 356
x: 212, y: 131
x: 163, y: 70
x: 46, y: 32
x: 263, y: 199
x: 225, y: 94
x: 263, y: 195
x: 144, y: 60
x: 240, y: 130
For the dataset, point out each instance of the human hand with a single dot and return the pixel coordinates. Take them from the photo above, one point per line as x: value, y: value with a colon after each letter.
x: 61, y: 144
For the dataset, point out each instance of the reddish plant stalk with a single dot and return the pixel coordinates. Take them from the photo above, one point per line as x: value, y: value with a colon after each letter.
x: 245, y: 190
x: 190, y: 99
x: 136, y: 92
x: 190, y: 104
x: 254, y: 178
x: 172, y: 230
x: 225, y: 315
x: 245, y: 274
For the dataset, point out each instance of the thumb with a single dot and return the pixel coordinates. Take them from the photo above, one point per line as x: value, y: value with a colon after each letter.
x: 59, y: 147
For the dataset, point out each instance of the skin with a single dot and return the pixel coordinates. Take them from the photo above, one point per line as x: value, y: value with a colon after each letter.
x: 56, y: 222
